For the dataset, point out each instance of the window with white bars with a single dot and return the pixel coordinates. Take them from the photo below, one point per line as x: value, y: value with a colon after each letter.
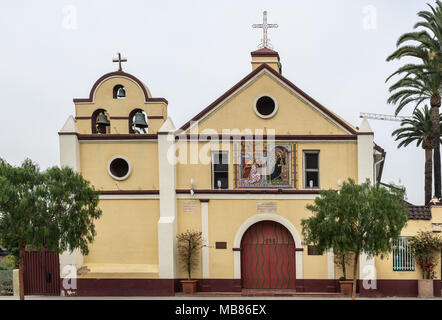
x: 402, y: 258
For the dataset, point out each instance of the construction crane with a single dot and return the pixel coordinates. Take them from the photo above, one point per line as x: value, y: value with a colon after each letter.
x: 387, y: 117
x: 384, y: 117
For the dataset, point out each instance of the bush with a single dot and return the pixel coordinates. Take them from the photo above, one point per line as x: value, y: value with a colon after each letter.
x: 8, y: 263
x: 425, y: 247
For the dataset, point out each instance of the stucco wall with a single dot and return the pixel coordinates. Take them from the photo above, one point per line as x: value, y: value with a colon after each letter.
x: 238, y: 112
x: 143, y: 158
x: 126, y: 233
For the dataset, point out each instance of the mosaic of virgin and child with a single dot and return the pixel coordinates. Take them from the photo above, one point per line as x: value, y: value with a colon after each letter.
x: 265, y: 168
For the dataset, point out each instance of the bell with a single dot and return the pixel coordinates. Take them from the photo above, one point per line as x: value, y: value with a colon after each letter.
x: 102, y: 120
x: 121, y: 93
x: 140, y: 120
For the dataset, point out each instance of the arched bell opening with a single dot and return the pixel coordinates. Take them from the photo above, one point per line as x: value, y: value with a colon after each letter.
x: 100, y: 122
x: 119, y: 92
x: 138, y: 121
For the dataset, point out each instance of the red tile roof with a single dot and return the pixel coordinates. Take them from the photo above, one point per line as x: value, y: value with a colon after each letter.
x: 264, y: 52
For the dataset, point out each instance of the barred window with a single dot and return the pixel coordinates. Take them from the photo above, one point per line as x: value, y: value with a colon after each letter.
x: 402, y: 258
x: 311, y: 169
x: 220, y: 170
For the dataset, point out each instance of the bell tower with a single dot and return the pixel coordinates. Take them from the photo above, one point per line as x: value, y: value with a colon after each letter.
x: 267, y: 56
x: 119, y: 103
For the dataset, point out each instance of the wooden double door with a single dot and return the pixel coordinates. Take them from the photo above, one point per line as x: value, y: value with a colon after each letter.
x: 268, y: 257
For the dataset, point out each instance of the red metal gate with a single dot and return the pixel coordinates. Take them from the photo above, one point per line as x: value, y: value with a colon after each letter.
x: 42, y: 273
x: 268, y: 257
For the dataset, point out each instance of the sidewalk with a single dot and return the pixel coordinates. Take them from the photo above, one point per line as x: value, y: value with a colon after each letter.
x: 198, y: 297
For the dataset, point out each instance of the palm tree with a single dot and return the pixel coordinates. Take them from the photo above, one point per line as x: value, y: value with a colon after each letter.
x: 421, y: 81
x: 419, y: 129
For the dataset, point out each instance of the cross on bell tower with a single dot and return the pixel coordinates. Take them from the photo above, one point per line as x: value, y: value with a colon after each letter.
x: 119, y: 60
x: 264, y: 25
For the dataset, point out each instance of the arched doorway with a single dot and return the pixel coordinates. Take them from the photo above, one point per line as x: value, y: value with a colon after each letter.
x: 268, y: 257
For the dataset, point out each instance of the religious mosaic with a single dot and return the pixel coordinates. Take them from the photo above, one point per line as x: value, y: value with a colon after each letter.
x: 262, y: 165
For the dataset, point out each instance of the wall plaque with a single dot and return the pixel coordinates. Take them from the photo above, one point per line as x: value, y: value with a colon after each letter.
x: 267, y: 207
x: 437, y: 227
x: 221, y: 245
x: 189, y: 206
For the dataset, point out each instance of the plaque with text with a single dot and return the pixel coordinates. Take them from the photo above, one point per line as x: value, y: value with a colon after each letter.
x: 267, y: 207
x: 189, y: 206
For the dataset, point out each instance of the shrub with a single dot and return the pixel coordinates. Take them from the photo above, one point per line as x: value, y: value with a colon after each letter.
x: 8, y: 263
x: 425, y: 247
x: 189, y: 244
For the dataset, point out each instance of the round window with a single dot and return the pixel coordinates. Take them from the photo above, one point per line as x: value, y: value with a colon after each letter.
x: 265, y: 106
x: 119, y: 168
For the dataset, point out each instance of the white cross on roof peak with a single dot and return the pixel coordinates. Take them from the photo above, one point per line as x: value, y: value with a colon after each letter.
x: 265, y: 43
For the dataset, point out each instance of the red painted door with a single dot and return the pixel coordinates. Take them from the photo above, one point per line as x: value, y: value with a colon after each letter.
x: 268, y: 257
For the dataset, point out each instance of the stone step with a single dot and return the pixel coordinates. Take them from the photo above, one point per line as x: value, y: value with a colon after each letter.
x: 263, y: 293
x: 210, y: 294
x: 287, y: 293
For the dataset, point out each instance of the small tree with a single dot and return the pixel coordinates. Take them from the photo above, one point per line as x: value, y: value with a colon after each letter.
x: 425, y: 247
x: 360, y: 218
x: 55, y: 209
x: 189, y: 244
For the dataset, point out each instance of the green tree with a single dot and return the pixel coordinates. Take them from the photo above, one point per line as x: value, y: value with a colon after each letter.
x: 54, y: 209
x: 421, y: 81
x: 419, y: 129
x: 359, y: 218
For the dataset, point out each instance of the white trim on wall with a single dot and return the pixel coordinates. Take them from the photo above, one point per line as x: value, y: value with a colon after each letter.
x: 248, y: 196
x: 96, y: 141
x: 331, y: 264
x: 129, y: 197
x: 205, y: 237
x: 167, y: 224
x: 70, y: 261
x: 211, y: 196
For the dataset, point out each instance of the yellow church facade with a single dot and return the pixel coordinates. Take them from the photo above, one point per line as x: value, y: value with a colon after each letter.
x: 241, y: 172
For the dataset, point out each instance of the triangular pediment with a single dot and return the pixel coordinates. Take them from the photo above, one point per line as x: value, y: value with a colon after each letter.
x: 296, y: 112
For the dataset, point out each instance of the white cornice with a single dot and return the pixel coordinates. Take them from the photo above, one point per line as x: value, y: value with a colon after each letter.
x: 211, y: 196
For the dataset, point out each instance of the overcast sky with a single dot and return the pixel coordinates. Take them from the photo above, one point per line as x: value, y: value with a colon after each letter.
x: 190, y: 52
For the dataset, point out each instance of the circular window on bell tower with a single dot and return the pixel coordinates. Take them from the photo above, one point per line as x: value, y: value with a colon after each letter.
x: 119, y: 168
x: 265, y: 106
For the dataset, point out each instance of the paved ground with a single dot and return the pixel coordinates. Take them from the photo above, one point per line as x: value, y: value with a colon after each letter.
x: 204, y: 298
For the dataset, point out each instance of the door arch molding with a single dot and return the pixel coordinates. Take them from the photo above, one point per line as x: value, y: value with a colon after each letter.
x: 262, y: 217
